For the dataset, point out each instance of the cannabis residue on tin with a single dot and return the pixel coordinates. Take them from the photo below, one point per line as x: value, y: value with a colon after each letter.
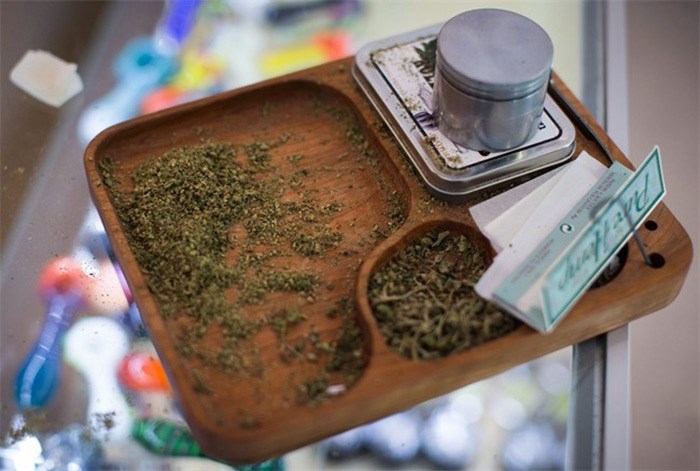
x: 424, y: 299
x: 427, y: 52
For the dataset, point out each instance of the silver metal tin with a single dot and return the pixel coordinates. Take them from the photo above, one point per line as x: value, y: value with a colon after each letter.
x: 389, y: 73
x: 492, y: 70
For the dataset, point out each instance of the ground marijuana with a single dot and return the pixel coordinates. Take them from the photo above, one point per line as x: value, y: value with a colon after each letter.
x: 424, y: 298
x: 187, y: 213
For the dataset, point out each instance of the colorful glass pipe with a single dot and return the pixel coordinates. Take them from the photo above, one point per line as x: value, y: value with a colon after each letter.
x: 142, y: 372
x: 62, y: 287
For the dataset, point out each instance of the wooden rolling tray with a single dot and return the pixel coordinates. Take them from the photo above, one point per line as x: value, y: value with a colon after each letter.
x: 302, y: 107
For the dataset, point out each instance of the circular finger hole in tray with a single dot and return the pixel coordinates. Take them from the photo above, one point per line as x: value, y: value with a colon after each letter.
x: 422, y: 293
x: 614, y: 268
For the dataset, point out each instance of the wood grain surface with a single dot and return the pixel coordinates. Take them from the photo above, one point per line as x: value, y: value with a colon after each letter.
x: 306, y: 106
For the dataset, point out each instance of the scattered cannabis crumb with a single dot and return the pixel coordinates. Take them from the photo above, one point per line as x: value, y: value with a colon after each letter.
x: 249, y: 423
x: 425, y: 303
x: 266, y: 109
x: 311, y: 391
x: 200, y: 385
x: 34, y: 422
x: 102, y: 422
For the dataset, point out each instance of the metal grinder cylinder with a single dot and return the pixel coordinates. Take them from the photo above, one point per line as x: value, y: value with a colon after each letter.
x: 491, y: 76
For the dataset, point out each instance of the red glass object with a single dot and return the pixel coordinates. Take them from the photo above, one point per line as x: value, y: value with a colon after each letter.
x: 142, y: 372
x: 60, y: 276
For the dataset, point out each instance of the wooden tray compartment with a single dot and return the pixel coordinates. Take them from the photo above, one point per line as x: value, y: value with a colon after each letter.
x: 404, y: 237
x: 316, y: 109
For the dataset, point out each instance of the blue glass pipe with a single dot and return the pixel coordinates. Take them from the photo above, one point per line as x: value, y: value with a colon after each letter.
x: 62, y: 288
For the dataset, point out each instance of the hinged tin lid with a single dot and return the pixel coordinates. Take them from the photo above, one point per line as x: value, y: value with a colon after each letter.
x: 494, y: 54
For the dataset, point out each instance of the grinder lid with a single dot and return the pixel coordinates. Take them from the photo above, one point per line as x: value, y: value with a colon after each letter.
x: 494, y: 54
